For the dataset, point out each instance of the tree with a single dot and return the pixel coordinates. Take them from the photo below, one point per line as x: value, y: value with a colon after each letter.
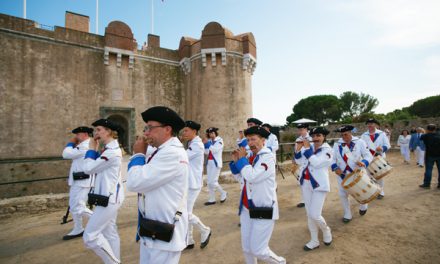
x: 322, y: 108
x: 426, y: 107
x: 353, y: 104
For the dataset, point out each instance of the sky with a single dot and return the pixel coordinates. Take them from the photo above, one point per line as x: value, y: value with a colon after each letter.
x: 387, y: 49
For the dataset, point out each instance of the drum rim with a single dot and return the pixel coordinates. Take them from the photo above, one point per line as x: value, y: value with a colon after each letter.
x: 384, y: 174
x: 374, y: 196
x: 354, y: 182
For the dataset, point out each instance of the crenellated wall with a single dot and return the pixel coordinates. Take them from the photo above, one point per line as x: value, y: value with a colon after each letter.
x: 53, y: 80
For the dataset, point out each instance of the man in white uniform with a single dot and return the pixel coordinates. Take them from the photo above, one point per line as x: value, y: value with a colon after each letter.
x: 214, y: 150
x: 299, y: 160
x: 195, y: 153
x: 79, y: 182
x: 162, y: 186
x: 377, y: 143
x: 272, y: 140
x: 349, y: 154
x: 258, y: 203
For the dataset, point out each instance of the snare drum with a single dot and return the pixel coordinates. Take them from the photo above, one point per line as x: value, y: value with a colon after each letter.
x: 359, y: 185
x: 379, y: 168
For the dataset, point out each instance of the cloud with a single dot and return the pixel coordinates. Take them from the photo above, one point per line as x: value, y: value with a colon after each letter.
x: 401, y: 23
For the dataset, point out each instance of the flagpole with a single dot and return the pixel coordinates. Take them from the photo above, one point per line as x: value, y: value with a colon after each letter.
x: 24, y: 9
x: 96, y: 22
x: 152, y: 16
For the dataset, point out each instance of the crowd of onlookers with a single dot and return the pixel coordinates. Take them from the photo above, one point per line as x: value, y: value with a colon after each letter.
x: 426, y: 146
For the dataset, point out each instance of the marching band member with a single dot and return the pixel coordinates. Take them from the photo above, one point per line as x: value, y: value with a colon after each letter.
x: 161, y: 182
x: 101, y: 233
x: 272, y: 140
x: 214, y: 150
x: 258, y: 204
x: 78, y: 181
x: 195, y: 153
x: 252, y: 121
x: 298, y: 159
x: 378, y: 143
x: 349, y: 153
x: 315, y: 185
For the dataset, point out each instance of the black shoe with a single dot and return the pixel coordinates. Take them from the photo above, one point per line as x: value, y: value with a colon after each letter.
x: 362, y: 212
x: 380, y: 197
x: 300, y: 205
x: 210, y: 203
x: 306, y: 248
x: 222, y: 201
x: 424, y: 186
x: 239, y: 224
x: 438, y: 187
x: 205, y: 243
x: 328, y: 243
x: 69, y: 237
x: 189, y: 247
x: 346, y: 220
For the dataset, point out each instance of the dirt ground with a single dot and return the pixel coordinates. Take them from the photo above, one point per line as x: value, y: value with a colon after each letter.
x: 404, y: 227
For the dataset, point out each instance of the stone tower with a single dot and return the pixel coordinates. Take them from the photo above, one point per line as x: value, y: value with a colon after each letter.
x: 218, y: 70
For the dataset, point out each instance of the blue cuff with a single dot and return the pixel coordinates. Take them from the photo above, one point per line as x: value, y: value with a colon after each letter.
x: 70, y: 144
x: 233, y: 168
x: 241, y: 163
x: 270, y: 148
x: 91, y: 154
x: 334, y: 166
x: 208, y: 144
x: 308, y: 153
x: 365, y: 162
x: 384, y: 148
x: 243, y: 144
x: 298, y: 155
x: 137, y: 161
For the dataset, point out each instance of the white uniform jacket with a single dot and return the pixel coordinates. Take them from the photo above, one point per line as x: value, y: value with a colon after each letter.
x: 356, y: 151
x: 272, y: 143
x: 216, y: 148
x: 195, y: 153
x: 162, y: 184
x: 299, y: 157
x: 318, y: 163
x: 259, y: 179
x: 76, y: 154
x: 380, y: 139
x: 107, y: 167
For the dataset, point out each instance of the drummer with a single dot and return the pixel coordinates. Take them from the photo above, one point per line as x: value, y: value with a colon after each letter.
x: 349, y: 153
x: 378, y: 143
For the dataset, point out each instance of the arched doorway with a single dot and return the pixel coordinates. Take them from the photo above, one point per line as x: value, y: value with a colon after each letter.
x: 124, y: 136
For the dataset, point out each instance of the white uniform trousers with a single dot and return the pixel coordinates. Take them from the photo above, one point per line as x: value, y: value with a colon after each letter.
x: 404, y: 150
x: 193, y: 220
x: 255, y: 236
x: 77, y: 202
x: 153, y: 256
x: 212, y: 174
x: 343, y: 196
x: 101, y: 233
x: 314, y: 202
x: 420, y: 154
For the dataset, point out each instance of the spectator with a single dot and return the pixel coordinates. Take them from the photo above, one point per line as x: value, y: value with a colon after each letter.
x: 432, y: 144
x: 403, y: 143
x: 417, y: 145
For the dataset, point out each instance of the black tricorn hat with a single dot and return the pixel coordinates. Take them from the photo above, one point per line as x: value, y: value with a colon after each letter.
x: 302, y: 125
x: 192, y: 125
x: 211, y: 129
x: 83, y: 129
x: 344, y: 128
x: 319, y: 130
x: 372, y: 120
x: 254, y: 120
x: 108, y: 124
x: 165, y: 116
x: 257, y: 130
